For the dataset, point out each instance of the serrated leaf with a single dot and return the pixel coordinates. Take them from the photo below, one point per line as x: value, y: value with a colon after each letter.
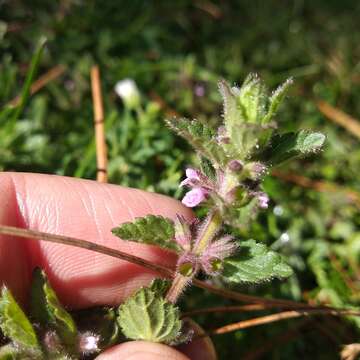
x: 289, y: 145
x: 15, y: 324
x: 200, y: 136
x: 207, y: 168
x: 150, y: 229
x: 244, y: 109
x: 255, y: 263
x: 276, y: 99
x: 148, y: 316
x: 252, y: 99
x: 47, y: 310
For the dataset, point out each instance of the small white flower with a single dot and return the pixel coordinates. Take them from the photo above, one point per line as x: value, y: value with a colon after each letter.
x: 128, y: 91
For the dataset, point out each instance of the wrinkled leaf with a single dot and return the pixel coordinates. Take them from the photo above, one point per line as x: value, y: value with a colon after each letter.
x: 252, y: 99
x: 47, y: 310
x: 201, y: 137
x: 147, y: 316
x: 150, y: 229
x: 255, y: 263
x: 15, y: 324
x: 289, y: 145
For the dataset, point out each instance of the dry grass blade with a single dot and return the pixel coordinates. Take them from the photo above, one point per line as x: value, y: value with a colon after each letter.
x: 217, y: 309
x: 41, y: 82
x: 321, y: 186
x: 278, y: 317
x: 101, y: 149
x: 66, y: 240
x: 340, y: 118
x: 164, y: 271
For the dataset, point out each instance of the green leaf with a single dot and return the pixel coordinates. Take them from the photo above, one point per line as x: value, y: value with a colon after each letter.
x: 15, y: 324
x: 46, y: 309
x: 289, y: 145
x: 252, y: 99
x: 276, y: 99
x: 147, y: 316
x: 201, y: 137
x: 255, y: 263
x: 244, y: 109
x: 151, y: 229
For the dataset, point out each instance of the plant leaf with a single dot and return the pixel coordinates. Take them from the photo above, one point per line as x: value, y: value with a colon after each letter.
x: 150, y: 229
x: 16, y: 326
x: 276, y: 99
x: 289, y: 145
x: 252, y: 99
x: 47, y: 310
x: 147, y: 316
x: 200, y: 136
x: 255, y: 263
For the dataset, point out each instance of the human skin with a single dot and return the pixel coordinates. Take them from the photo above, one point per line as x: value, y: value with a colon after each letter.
x: 82, y: 278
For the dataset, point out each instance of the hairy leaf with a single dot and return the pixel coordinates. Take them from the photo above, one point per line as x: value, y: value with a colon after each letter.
x: 151, y: 229
x: 146, y: 315
x: 47, y: 310
x: 289, y: 145
x: 255, y: 263
x: 276, y: 99
x: 16, y: 326
x: 252, y: 99
x: 201, y: 137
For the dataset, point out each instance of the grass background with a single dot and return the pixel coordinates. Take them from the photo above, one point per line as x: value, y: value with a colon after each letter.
x: 171, y: 49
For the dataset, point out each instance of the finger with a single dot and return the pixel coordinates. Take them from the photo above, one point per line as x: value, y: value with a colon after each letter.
x: 83, y: 209
x: 142, y: 350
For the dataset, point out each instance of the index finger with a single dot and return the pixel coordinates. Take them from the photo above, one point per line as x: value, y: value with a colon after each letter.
x: 83, y: 209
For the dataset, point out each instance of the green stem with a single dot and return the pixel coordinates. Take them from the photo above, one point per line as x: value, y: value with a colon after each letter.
x: 210, y: 227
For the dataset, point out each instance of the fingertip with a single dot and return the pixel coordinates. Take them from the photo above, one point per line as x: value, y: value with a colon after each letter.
x: 142, y: 350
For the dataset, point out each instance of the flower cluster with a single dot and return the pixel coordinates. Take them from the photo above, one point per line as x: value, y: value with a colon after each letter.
x: 208, y: 259
x: 226, y: 185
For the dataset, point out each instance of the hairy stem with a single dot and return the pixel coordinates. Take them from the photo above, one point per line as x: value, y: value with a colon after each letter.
x: 210, y: 227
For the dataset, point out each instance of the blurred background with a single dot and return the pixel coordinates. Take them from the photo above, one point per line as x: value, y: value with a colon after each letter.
x: 176, y: 51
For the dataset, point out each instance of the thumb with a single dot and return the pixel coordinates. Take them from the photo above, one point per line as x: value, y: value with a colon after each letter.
x: 142, y: 350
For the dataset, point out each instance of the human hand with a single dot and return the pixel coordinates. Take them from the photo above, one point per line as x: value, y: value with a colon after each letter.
x: 82, y: 278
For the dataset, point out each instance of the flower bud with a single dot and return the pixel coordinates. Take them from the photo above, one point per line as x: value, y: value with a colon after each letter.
x: 235, y: 165
x: 255, y: 170
x: 128, y: 91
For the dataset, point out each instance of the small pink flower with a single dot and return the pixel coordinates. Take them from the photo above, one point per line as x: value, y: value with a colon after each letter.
x: 194, y: 197
x: 192, y: 178
x: 263, y: 200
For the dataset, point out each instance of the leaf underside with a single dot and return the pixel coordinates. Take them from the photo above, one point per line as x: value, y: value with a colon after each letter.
x: 151, y: 230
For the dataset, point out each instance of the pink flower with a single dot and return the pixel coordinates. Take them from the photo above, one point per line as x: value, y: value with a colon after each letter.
x: 194, y: 197
x: 263, y: 200
x: 193, y: 178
